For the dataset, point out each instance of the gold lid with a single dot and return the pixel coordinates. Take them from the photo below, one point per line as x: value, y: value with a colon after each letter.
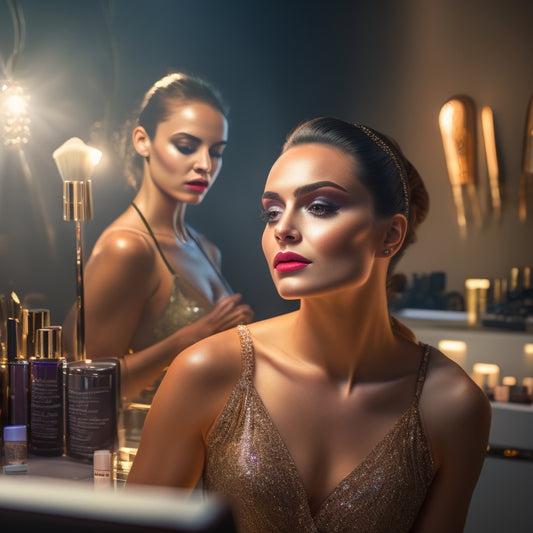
x: 49, y: 343
x: 32, y: 320
x: 77, y: 200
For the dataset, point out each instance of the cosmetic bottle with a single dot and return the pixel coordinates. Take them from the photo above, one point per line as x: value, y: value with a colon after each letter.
x: 18, y: 377
x: 92, y: 407
x: 4, y: 390
x: 102, y: 467
x: 32, y: 321
x: 47, y: 369
x: 15, y: 449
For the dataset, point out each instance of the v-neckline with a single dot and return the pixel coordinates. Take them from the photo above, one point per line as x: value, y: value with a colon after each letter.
x: 297, y: 475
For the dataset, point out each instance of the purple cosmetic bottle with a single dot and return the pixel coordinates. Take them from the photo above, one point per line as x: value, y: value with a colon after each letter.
x: 18, y: 378
x: 47, y: 394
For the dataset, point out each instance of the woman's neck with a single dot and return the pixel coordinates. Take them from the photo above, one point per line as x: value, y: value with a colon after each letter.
x: 344, y: 333
x: 178, y: 222
x: 165, y: 215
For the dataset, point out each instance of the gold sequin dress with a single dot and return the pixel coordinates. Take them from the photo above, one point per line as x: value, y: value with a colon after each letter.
x: 248, y: 462
x: 185, y: 304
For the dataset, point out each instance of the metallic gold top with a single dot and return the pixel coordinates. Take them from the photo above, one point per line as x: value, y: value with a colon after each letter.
x: 77, y: 200
x: 33, y: 320
x: 248, y: 462
x: 49, y: 343
x: 185, y: 304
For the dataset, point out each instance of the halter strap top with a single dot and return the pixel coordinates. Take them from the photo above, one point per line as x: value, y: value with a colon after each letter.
x: 185, y: 304
x: 248, y: 462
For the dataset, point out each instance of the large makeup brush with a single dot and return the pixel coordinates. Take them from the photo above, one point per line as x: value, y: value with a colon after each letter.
x: 457, y: 121
x: 526, y: 179
x: 489, y: 137
x: 76, y: 161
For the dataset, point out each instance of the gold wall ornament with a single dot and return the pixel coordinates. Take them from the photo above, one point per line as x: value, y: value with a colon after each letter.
x: 525, y: 200
x: 457, y: 122
x: 491, y: 154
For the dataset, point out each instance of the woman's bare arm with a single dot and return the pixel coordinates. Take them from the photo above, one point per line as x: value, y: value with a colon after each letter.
x: 120, y: 277
x: 185, y: 408
x: 457, y: 416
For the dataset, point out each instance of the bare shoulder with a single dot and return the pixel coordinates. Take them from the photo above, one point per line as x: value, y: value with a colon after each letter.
x: 447, y: 382
x: 121, y: 246
x: 210, y: 367
x: 453, y: 407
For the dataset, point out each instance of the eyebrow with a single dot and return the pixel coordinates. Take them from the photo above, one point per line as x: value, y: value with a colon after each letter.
x: 305, y: 189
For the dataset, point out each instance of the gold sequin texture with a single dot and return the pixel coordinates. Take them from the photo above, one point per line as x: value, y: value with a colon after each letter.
x: 248, y: 462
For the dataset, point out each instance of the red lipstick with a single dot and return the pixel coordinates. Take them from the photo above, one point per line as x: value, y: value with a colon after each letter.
x: 198, y: 185
x: 289, y: 262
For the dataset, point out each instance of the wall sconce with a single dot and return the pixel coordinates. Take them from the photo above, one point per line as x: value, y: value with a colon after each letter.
x: 16, y: 122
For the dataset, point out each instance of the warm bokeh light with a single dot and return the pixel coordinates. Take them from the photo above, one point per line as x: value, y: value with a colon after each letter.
x: 95, y: 155
x: 486, y: 368
x: 474, y: 283
x: 14, y: 112
x: 16, y: 105
x: 455, y: 350
x: 486, y: 375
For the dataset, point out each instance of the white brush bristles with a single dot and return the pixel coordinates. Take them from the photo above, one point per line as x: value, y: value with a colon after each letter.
x: 76, y: 160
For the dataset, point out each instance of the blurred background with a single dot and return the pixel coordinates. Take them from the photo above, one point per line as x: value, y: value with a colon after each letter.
x: 84, y: 65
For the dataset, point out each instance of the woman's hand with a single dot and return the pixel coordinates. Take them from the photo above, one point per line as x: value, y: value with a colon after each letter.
x: 226, y: 314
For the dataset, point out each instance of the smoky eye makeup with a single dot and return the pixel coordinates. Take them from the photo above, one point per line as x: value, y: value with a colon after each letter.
x: 217, y: 150
x: 185, y: 144
x: 270, y: 212
x: 185, y: 149
x: 321, y: 207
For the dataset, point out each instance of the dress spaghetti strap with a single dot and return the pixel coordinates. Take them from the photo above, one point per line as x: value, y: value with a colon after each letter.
x: 422, y: 372
x: 196, y: 241
x: 247, y: 352
x: 149, y: 229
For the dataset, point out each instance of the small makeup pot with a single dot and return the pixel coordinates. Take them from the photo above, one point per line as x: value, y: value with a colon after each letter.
x: 15, y: 449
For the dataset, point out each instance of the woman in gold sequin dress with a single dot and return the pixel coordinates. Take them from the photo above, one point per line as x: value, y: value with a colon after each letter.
x: 152, y: 283
x: 333, y: 417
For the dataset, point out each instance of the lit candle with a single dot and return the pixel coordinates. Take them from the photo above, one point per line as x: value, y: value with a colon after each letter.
x: 528, y: 383
x: 476, y: 299
x: 528, y: 359
x: 455, y: 350
x: 486, y: 375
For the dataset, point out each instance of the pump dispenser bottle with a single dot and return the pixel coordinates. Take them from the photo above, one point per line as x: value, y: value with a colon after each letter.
x: 46, y: 394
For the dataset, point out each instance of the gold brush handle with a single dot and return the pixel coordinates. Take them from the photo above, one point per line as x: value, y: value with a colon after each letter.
x: 457, y: 121
x: 526, y: 179
x: 487, y: 122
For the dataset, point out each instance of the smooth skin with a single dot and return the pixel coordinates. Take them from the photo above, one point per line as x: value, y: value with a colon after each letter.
x: 333, y: 375
x: 127, y: 284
